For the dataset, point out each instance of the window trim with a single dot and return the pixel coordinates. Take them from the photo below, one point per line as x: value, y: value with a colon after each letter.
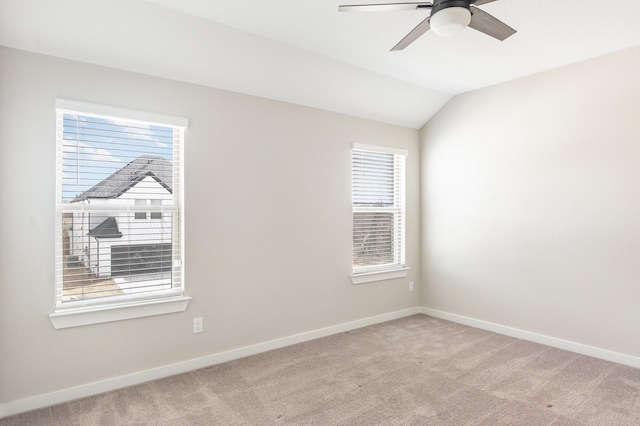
x: 392, y: 271
x: 382, y: 275
x: 101, y: 313
x: 95, y: 312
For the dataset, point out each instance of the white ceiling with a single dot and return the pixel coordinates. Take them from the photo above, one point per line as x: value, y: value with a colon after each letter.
x: 305, y: 52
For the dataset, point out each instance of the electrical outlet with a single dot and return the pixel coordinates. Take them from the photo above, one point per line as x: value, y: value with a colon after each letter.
x: 198, y: 325
x: 410, y: 285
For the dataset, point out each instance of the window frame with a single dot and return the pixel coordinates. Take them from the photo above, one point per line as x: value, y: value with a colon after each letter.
x: 115, y: 308
x: 397, y: 269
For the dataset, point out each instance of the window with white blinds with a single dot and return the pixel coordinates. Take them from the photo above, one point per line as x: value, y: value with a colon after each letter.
x: 378, y: 197
x: 119, y: 205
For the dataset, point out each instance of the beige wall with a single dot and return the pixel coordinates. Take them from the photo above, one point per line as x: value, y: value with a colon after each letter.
x: 531, y: 204
x: 268, y: 225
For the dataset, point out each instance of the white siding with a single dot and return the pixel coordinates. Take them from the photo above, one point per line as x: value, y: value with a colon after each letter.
x: 95, y: 253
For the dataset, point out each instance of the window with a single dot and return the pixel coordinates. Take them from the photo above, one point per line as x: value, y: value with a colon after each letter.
x: 156, y: 215
x: 143, y: 215
x: 378, y: 197
x: 111, y: 164
x: 140, y: 215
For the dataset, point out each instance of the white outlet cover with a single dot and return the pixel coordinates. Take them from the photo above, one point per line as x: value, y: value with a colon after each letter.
x: 198, y: 325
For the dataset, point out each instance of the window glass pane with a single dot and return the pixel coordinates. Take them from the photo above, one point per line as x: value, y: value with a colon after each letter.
x: 373, y: 179
x: 102, y: 157
x: 373, y: 239
x: 107, y: 255
x: 110, y: 171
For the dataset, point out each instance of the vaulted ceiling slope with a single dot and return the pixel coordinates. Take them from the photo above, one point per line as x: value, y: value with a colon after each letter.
x: 307, y: 53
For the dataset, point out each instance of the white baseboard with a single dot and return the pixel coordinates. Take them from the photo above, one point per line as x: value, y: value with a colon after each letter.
x: 580, y: 348
x: 94, y: 388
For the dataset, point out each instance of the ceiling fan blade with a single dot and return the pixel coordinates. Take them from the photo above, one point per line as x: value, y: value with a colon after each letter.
x: 485, y: 23
x: 481, y: 2
x: 383, y: 7
x: 420, y: 29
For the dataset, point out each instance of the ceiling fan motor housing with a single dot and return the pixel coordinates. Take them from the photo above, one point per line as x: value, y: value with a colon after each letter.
x: 445, y: 4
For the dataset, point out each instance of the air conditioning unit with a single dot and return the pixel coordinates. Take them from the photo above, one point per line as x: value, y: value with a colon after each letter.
x: 73, y: 262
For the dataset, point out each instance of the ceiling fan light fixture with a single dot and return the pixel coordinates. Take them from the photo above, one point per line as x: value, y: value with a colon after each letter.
x: 450, y: 21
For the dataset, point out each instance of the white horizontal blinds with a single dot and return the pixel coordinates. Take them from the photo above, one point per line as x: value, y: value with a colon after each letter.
x: 378, y: 209
x: 97, y: 148
x: 132, y: 260
x: 119, y: 206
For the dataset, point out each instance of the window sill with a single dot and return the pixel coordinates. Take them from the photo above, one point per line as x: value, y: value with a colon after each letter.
x: 389, y: 274
x: 99, y: 314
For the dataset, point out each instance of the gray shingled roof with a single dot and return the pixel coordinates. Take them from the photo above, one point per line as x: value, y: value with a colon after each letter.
x: 107, y: 229
x: 124, y: 179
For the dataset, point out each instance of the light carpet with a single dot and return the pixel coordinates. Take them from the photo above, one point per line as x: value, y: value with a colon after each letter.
x: 417, y: 370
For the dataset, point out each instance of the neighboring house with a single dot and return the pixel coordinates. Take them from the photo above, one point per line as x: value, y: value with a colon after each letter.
x: 129, y: 238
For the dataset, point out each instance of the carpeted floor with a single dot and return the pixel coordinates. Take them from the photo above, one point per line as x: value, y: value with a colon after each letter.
x: 413, y: 371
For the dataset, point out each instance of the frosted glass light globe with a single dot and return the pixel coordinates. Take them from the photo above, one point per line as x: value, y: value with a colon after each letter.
x: 450, y: 21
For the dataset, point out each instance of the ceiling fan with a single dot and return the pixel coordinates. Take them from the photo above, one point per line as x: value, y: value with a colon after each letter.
x: 447, y: 18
